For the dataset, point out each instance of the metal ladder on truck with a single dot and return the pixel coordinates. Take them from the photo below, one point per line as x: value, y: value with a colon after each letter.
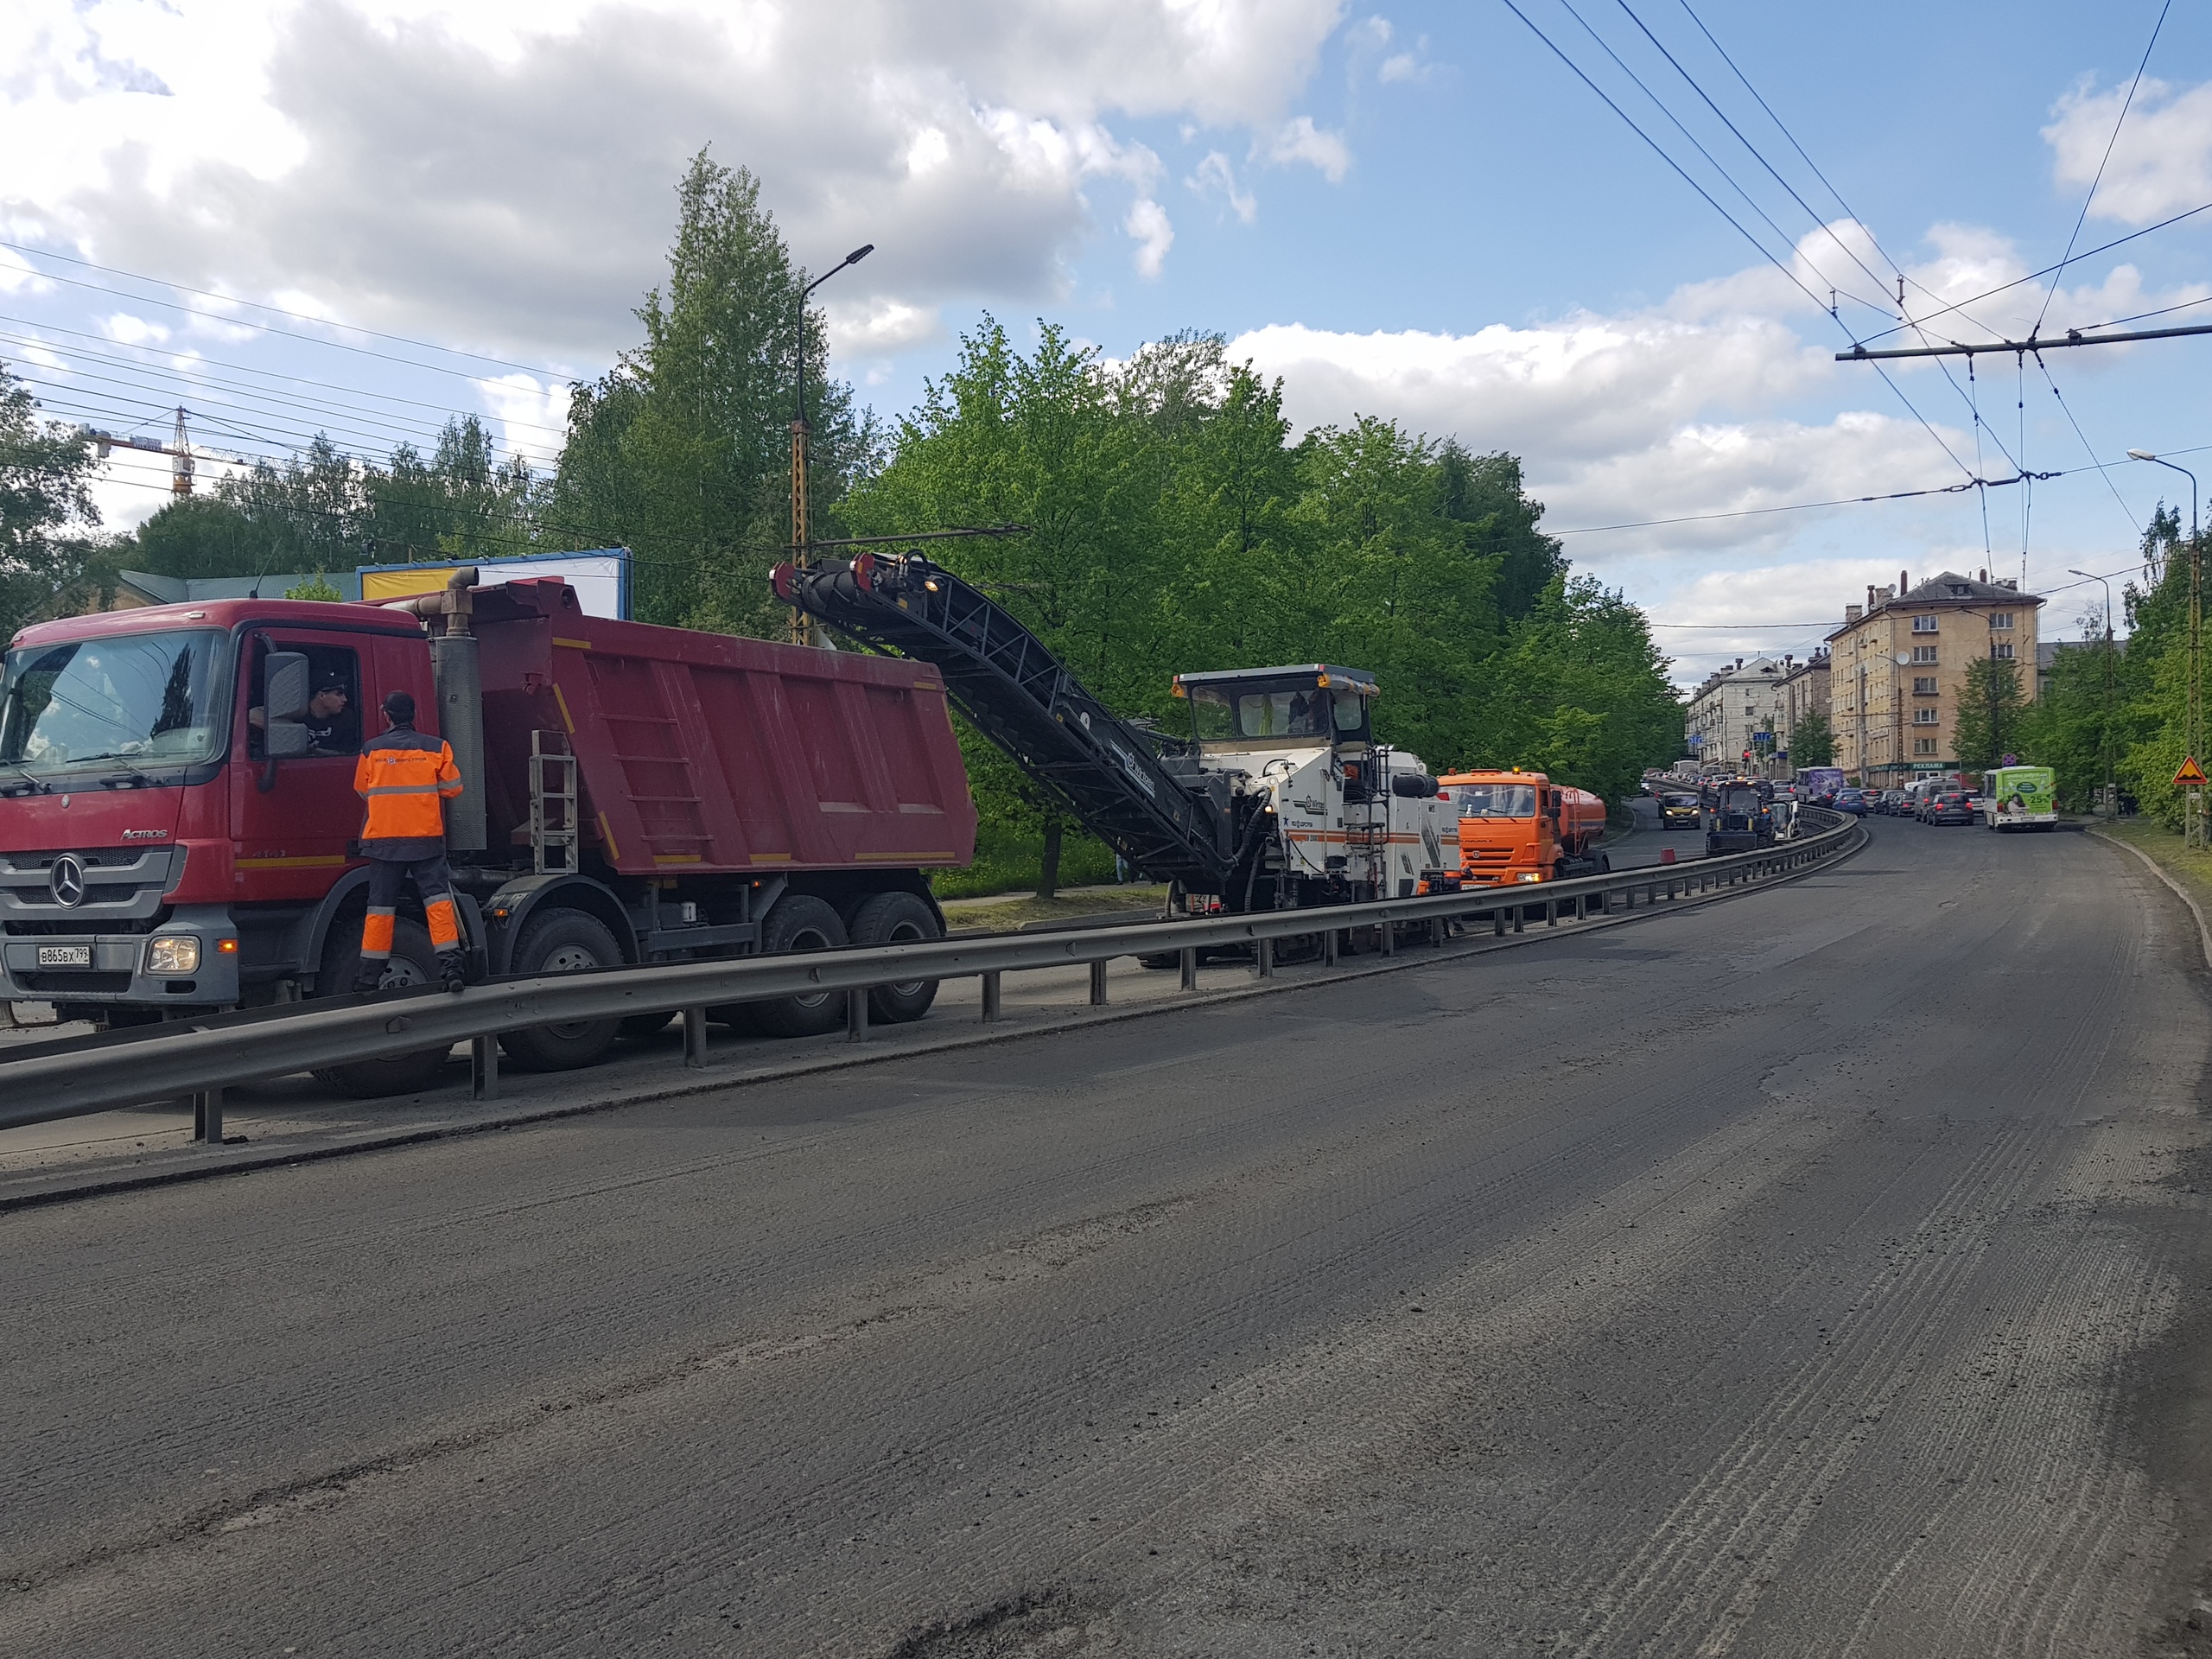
x: 1110, y: 774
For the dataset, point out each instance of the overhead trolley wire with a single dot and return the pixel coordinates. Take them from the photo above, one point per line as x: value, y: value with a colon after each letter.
x: 2126, y: 104
x: 1765, y: 252
x: 312, y: 339
x: 2034, y: 277
x: 237, y: 368
x: 1715, y: 162
x: 277, y: 310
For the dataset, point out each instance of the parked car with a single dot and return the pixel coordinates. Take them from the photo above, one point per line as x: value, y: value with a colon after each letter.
x: 1853, y: 801
x: 1951, y: 806
x: 1892, y: 802
x: 1679, y: 812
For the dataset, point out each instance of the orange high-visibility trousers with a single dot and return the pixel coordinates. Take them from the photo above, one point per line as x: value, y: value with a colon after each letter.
x: 433, y: 881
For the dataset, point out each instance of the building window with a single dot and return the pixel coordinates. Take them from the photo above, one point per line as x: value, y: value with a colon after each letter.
x: 1923, y: 624
x: 1923, y: 746
x: 1924, y: 654
x: 2000, y: 619
x: 2002, y: 648
x: 1924, y: 716
x: 1923, y: 685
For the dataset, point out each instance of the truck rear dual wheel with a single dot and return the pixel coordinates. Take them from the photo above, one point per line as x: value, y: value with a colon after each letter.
x: 799, y: 921
x: 897, y: 918
x: 565, y: 941
x: 796, y: 922
x: 413, y: 963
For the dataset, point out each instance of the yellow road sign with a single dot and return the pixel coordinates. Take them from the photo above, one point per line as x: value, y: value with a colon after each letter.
x: 2190, y: 773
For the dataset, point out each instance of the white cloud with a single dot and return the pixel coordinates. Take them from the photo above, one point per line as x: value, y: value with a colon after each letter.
x: 499, y: 173
x: 530, y: 415
x: 1147, y: 223
x: 1299, y: 140
x: 880, y: 325
x: 132, y: 331
x: 1215, y: 173
x: 2162, y: 162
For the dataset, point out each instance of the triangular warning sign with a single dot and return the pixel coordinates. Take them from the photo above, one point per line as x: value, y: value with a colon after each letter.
x: 2190, y: 773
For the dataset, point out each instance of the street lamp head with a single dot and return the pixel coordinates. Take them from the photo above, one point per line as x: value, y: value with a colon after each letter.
x: 2085, y: 575
x: 2141, y: 454
x: 860, y: 253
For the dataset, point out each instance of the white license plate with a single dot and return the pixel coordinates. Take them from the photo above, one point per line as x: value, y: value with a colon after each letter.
x: 65, y: 956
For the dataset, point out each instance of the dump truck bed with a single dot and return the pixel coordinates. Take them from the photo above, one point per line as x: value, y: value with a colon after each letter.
x: 702, y: 752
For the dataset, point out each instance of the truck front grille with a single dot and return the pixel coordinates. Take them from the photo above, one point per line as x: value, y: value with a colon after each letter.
x: 122, y: 890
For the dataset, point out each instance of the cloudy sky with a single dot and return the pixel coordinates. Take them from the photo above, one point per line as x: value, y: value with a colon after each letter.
x: 1417, y: 211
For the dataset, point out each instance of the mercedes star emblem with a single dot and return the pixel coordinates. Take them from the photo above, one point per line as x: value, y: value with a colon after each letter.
x: 68, y: 881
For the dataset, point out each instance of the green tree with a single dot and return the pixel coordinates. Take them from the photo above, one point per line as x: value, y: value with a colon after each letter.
x: 45, y: 473
x: 315, y: 587
x: 682, y: 451
x: 1176, y: 525
x: 1813, y: 743
x: 1989, y: 713
x: 197, y: 536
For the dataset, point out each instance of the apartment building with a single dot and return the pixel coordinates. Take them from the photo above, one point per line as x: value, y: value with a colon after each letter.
x: 1805, y: 692
x: 1736, y: 711
x: 1898, y: 667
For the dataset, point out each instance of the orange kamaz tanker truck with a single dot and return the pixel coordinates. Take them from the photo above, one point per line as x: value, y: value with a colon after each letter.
x: 1520, y: 827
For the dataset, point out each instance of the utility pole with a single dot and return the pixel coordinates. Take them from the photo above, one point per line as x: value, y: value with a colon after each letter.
x: 803, y: 631
x: 2193, y: 739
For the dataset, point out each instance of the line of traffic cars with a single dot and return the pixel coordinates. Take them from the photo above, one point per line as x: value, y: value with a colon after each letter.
x: 2007, y: 797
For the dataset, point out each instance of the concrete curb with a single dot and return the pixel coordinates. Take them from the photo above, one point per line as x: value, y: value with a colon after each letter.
x: 2203, y: 928
x: 204, y: 1164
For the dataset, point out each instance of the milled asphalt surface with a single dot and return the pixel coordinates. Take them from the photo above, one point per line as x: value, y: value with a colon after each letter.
x: 1820, y: 1272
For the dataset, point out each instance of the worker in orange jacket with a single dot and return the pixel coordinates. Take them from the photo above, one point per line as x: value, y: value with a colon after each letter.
x: 407, y: 778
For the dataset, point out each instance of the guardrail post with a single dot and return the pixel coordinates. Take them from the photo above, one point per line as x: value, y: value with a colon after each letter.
x: 484, y: 1067
x: 1187, y: 960
x: 694, y: 1038
x: 207, y: 1116
x: 1498, y: 922
x: 856, y: 1014
x: 1389, y: 932
x: 1329, y: 949
x: 990, y: 996
x: 1098, y: 984
x: 1520, y: 916
x: 1263, y: 951
x: 1551, y: 913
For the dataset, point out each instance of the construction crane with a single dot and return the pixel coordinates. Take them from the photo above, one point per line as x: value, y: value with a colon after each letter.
x: 178, y: 451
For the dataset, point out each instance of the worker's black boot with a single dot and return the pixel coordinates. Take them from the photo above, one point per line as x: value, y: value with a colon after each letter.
x: 370, y: 978
x: 450, y: 969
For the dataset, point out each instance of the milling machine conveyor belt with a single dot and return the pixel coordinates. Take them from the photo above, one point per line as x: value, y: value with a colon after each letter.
x: 1022, y: 697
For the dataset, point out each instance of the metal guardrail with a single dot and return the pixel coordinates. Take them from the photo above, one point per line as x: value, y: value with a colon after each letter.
x: 200, y: 1059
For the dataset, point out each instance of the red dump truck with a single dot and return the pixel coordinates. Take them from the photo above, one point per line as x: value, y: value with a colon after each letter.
x: 177, y: 813
x: 1519, y: 827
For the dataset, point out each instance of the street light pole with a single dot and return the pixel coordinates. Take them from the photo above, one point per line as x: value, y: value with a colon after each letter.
x: 2112, y: 800
x: 802, y: 627
x: 2193, y: 820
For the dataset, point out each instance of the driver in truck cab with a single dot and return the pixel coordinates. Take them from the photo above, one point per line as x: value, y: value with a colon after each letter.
x: 407, y: 778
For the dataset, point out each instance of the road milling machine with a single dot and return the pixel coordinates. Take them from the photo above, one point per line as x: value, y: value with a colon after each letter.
x: 1273, y: 796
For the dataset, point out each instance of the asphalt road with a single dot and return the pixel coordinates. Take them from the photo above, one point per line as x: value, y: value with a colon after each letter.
x: 1816, y: 1272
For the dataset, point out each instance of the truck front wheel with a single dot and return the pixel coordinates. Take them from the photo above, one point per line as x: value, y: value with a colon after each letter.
x: 413, y: 963
x: 566, y: 942
x: 896, y: 918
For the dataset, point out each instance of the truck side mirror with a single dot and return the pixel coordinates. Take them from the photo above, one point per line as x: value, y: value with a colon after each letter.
x: 285, y: 676
x: 284, y: 711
